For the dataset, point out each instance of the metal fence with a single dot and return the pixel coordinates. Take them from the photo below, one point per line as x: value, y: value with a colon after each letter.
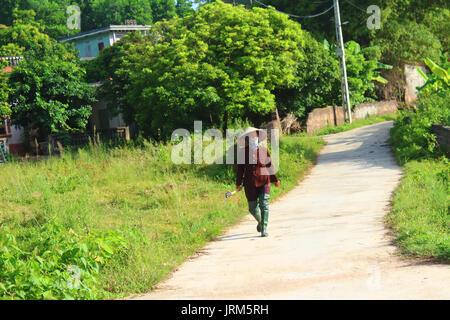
x: 12, y: 60
x: 79, y: 139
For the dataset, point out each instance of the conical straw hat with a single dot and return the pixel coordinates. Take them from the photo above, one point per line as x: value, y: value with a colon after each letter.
x: 262, y: 135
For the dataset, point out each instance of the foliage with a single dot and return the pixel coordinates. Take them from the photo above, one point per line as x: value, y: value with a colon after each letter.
x: 317, y: 82
x: 355, y: 124
x: 318, y: 78
x: 25, y: 35
x: 411, y: 135
x: 106, y: 12
x: 48, y: 262
x: 432, y: 15
x: 321, y: 26
x: 407, y: 41
x: 50, y: 94
x: 363, y: 65
x: 184, y: 7
x: 113, y: 67
x: 220, y: 63
x: 164, y: 212
x: 47, y: 89
x: 52, y: 14
x: 438, y: 81
x: 4, y: 92
x: 420, y: 218
x: 362, y: 71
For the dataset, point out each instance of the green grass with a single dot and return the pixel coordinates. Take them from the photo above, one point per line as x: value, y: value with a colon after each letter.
x: 355, y: 124
x: 420, y: 211
x: 164, y: 213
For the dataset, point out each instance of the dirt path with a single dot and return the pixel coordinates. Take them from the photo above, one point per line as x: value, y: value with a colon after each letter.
x: 327, y: 238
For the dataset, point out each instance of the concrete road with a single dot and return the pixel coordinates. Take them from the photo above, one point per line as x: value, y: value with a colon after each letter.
x: 327, y: 238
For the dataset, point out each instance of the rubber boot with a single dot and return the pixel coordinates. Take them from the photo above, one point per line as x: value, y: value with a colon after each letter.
x: 264, y: 205
x: 265, y: 218
x: 255, y: 211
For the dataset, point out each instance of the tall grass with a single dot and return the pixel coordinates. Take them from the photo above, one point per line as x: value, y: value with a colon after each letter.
x: 165, y: 212
x: 420, y: 213
x: 355, y: 124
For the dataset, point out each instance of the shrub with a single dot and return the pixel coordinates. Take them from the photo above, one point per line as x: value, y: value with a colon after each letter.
x: 419, y: 215
x: 411, y: 135
x: 50, y: 263
x: 219, y: 63
x: 317, y: 81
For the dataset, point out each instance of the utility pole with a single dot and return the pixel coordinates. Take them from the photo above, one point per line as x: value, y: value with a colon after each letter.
x: 341, y: 53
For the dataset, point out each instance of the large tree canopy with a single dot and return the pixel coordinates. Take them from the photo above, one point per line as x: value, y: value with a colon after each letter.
x: 52, y: 15
x: 50, y: 94
x: 225, y: 63
x: 5, y: 109
x: 220, y: 63
x: 47, y: 90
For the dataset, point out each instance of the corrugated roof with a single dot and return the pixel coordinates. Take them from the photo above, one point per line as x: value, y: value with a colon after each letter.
x: 104, y: 29
x: 12, y: 60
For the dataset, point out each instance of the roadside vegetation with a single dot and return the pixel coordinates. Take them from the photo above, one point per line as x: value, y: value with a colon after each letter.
x: 355, y: 124
x: 420, y: 215
x: 104, y: 223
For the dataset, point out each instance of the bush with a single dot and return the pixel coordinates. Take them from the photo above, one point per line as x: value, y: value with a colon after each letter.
x: 420, y: 216
x: 50, y: 263
x: 411, y: 135
x: 317, y: 81
x: 407, y: 41
x: 217, y: 64
x: 131, y: 207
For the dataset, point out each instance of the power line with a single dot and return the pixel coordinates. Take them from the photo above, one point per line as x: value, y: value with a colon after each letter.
x: 354, y: 5
x: 296, y: 16
x: 340, y: 52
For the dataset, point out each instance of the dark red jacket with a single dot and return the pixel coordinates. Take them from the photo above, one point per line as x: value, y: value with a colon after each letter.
x: 250, y: 173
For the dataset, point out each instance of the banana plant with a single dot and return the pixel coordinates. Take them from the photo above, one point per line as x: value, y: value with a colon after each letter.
x: 353, y: 48
x: 439, y: 78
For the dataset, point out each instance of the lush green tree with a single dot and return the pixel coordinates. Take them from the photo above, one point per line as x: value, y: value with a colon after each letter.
x: 50, y: 14
x: 184, y: 7
x: 100, y: 13
x: 317, y: 81
x: 407, y: 42
x: 113, y: 67
x: 355, y: 12
x: 218, y: 64
x: 25, y: 34
x: 363, y: 71
x: 318, y: 77
x: 49, y: 94
x: 6, y: 11
x: 163, y: 9
x: 47, y: 90
x: 107, y: 12
x: 5, y: 109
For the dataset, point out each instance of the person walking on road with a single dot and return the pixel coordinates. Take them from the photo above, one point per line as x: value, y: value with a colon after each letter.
x: 255, y: 172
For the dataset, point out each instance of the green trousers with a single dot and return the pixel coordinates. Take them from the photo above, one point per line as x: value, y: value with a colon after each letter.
x: 259, y: 209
